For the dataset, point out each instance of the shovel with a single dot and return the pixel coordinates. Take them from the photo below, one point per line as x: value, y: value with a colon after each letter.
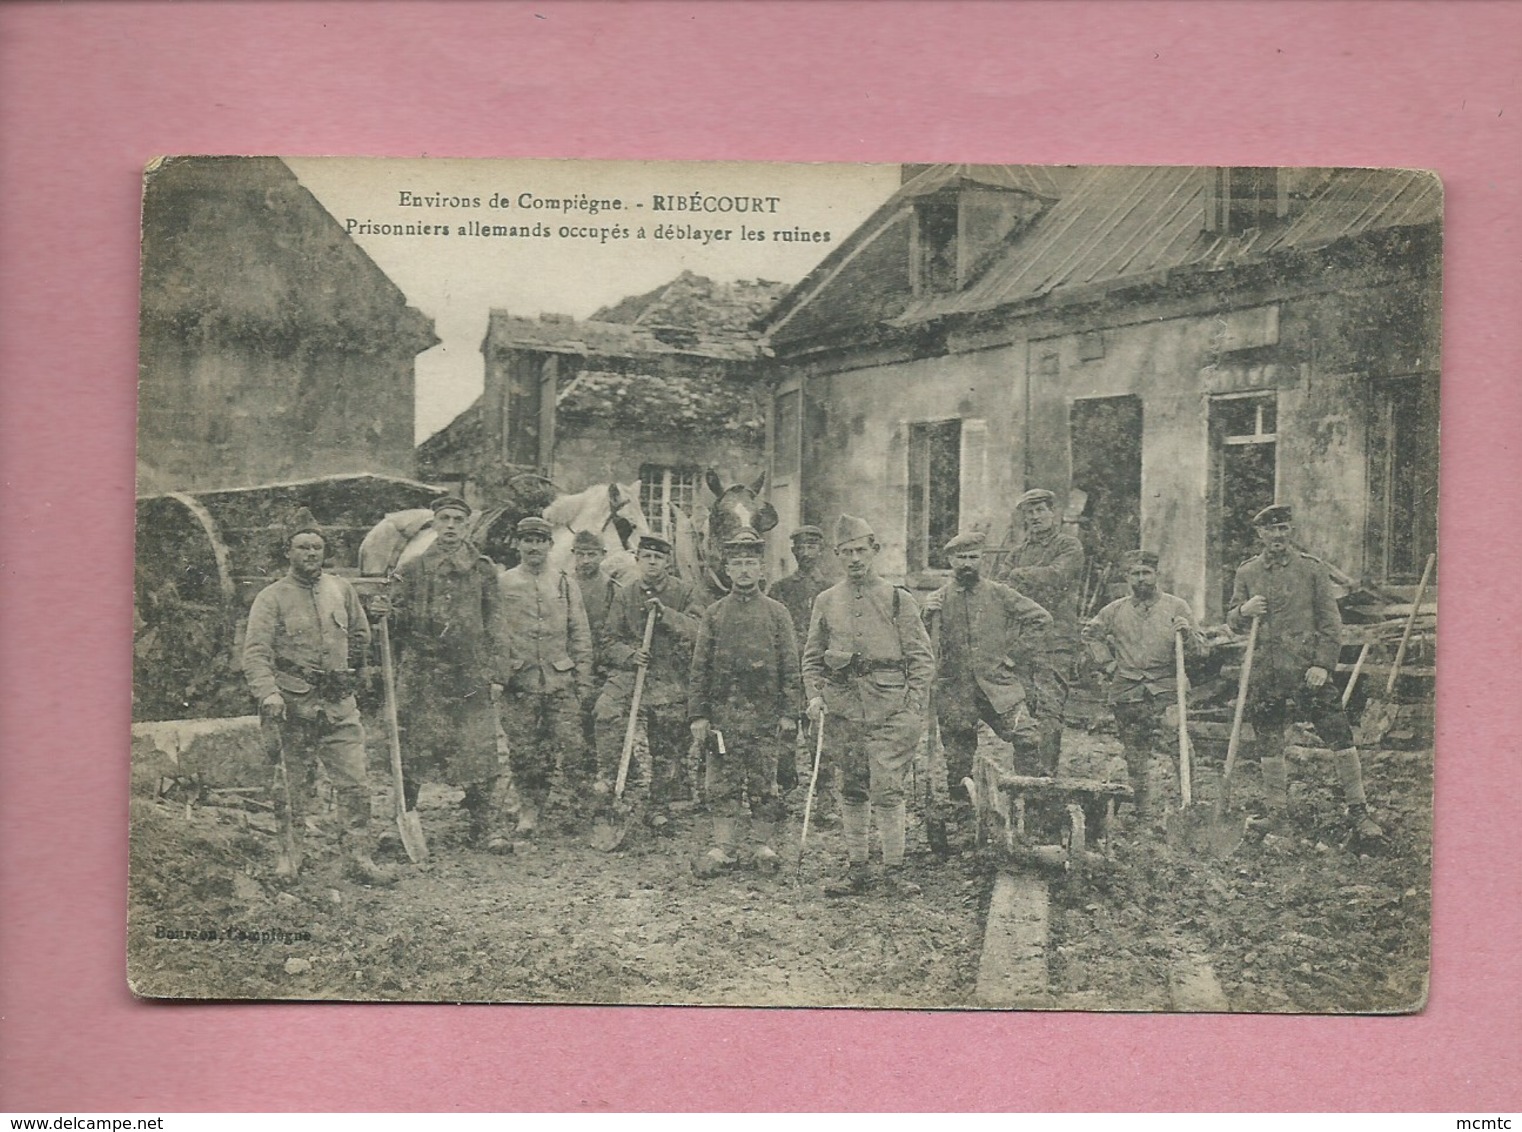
x: 1379, y: 715
x: 408, y: 824
x: 289, y: 864
x: 1210, y: 830
x: 1179, y: 679
x: 808, y: 802
x: 609, y: 832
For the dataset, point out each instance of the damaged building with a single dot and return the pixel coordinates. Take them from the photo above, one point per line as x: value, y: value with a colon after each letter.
x: 661, y: 386
x: 1169, y: 349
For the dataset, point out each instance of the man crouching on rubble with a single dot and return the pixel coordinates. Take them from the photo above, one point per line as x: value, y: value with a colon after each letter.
x: 307, y: 634
x: 1299, y: 637
x: 1136, y: 634
x: 745, y: 685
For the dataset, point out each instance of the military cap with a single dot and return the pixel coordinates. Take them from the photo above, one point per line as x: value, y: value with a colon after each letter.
x: 586, y: 540
x: 967, y: 540
x: 744, y: 541
x: 1273, y: 516
x: 848, y: 528
x: 534, y: 525
x: 1035, y: 495
x: 1140, y: 558
x: 654, y: 542
x: 808, y: 530
x: 446, y: 501
x: 302, y: 523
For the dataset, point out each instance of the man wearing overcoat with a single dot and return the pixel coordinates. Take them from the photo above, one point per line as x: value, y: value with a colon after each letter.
x: 548, y: 656
x: 797, y: 592
x: 867, y: 669
x: 1048, y: 568
x: 447, y: 611
x: 307, y: 635
x: 1299, y: 640
x: 745, y: 686
x: 678, y: 606
x: 988, y: 636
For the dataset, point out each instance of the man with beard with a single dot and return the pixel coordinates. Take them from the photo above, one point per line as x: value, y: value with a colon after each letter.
x: 307, y: 633
x: 1299, y: 639
x: 1137, y: 633
x: 797, y: 592
x: 548, y: 651
x: 677, y: 605
x: 1048, y: 568
x: 867, y: 668
x: 447, y: 612
x: 988, y: 635
x: 745, y: 685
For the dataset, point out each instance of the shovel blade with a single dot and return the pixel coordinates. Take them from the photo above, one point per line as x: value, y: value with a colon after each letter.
x: 1202, y: 831
x: 410, y: 826
x: 608, y: 833
x: 1375, y: 723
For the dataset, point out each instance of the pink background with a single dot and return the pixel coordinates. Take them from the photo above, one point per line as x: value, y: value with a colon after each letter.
x: 89, y: 92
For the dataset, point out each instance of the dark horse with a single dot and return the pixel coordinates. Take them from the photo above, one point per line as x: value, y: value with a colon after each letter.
x: 734, y: 508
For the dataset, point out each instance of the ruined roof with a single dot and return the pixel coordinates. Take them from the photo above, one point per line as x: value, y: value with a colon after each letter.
x: 691, y: 315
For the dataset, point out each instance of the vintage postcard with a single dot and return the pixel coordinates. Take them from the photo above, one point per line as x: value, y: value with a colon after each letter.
x: 928, y: 586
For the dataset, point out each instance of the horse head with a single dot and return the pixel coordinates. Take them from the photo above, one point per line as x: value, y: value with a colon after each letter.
x: 735, y: 508
x: 611, y: 511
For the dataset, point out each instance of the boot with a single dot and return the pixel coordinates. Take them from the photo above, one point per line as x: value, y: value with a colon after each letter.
x: 858, y: 877
x: 895, y: 882
x: 482, y: 818
x: 410, y: 790
x: 726, y: 839
x: 891, y: 821
x: 762, y: 855
x: 1141, y: 786
x: 358, y: 865
x: 1350, y: 774
x: 1275, y: 769
x: 528, y: 815
x: 856, y: 880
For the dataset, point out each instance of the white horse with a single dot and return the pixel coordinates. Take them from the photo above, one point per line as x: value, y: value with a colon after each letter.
x: 612, y: 512
x: 609, y: 510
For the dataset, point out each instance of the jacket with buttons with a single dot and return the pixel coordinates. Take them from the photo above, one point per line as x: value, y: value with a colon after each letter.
x: 745, y: 668
x: 876, y: 622
x: 545, y: 638
x: 1303, y: 626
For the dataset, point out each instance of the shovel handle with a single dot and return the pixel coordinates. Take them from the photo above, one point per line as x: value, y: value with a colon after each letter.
x: 393, y: 728
x: 1236, y: 719
x: 639, y: 691
x: 808, y: 803
x: 1363, y: 655
x: 1180, y: 681
x: 1405, y: 637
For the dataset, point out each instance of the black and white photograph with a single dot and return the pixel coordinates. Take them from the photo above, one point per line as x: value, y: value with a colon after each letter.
x: 922, y: 586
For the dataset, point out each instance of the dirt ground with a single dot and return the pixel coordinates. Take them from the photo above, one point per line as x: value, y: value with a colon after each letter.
x: 1292, y: 923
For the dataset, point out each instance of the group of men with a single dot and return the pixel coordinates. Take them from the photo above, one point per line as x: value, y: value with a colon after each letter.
x: 728, y: 689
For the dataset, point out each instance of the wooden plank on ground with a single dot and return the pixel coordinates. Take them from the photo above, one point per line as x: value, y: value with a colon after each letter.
x: 1012, y: 970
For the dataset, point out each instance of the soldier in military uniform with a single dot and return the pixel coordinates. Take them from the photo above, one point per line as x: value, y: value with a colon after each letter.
x: 1299, y: 639
x: 307, y: 634
x: 745, y: 685
x: 988, y: 635
x: 867, y: 669
x: 447, y: 611
x: 677, y: 605
x: 797, y: 592
x: 1135, y: 634
x: 548, y: 650
x: 1048, y: 568
x: 597, y: 590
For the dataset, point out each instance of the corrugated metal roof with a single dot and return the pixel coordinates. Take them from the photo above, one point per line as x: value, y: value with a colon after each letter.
x: 1121, y: 222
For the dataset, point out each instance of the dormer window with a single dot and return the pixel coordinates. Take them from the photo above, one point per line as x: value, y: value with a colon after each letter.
x: 937, y: 266
x: 1245, y: 196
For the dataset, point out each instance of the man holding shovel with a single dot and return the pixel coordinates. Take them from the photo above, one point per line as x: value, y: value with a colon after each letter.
x: 307, y: 634
x: 1289, y: 592
x: 676, y: 606
x: 1136, y: 634
x: 446, y: 610
x: 868, y: 665
x: 745, y: 685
